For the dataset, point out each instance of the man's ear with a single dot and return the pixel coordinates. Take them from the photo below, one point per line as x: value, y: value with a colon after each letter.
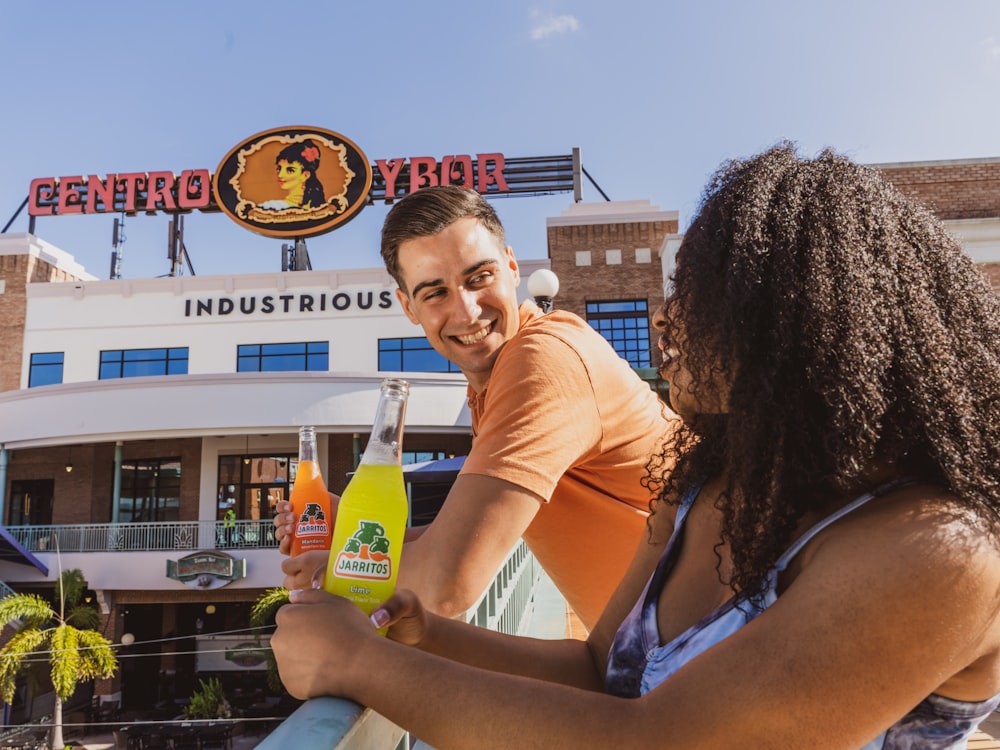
x: 512, y: 265
x: 404, y: 302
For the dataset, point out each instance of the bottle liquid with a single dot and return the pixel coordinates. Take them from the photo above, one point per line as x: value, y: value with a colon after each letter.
x: 310, y: 499
x: 371, y: 515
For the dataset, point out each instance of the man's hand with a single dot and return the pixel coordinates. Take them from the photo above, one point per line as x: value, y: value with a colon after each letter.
x: 284, y: 523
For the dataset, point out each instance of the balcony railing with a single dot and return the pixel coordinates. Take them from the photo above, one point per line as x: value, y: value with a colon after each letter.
x: 337, y: 724
x: 146, y: 536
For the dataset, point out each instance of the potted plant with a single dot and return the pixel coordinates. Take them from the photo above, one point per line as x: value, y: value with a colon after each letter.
x: 208, y: 702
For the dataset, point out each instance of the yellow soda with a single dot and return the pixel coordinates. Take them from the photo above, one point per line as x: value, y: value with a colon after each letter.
x: 368, y: 536
x: 372, y: 512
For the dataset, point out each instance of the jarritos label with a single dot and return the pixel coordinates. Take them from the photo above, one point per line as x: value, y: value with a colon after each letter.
x: 312, y: 523
x: 293, y: 182
x: 365, y: 555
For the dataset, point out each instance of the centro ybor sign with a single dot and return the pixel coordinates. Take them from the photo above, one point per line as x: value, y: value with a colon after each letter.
x: 299, y: 182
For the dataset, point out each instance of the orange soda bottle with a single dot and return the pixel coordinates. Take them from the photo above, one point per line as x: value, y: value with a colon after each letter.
x: 310, y: 500
x: 373, y: 510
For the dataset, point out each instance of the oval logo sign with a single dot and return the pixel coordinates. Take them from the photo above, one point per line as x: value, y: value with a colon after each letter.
x: 293, y: 182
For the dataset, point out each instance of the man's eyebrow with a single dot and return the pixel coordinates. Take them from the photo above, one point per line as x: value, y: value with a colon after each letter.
x: 425, y: 284
x: 468, y: 271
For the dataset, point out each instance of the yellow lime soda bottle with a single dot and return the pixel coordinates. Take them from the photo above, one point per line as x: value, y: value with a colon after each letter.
x: 372, y: 512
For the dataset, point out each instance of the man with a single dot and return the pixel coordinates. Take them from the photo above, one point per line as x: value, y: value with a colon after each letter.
x: 562, y: 427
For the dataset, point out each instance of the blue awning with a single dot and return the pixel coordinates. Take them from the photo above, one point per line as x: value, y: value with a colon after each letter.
x: 442, y: 470
x: 12, y: 551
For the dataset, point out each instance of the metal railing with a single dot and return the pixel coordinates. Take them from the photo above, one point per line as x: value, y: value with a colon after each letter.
x: 337, y: 724
x: 146, y: 536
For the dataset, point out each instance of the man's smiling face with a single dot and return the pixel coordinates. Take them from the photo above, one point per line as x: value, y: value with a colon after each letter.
x: 461, y: 287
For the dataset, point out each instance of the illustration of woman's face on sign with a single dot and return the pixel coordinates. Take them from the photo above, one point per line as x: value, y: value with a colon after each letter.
x: 291, y: 176
x: 303, y: 175
x: 293, y: 182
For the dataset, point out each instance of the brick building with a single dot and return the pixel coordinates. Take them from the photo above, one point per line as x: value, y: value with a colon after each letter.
x: 965, y: 194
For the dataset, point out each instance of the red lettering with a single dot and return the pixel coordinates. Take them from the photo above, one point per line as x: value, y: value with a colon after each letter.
x: 103, y: 189
x: 130, y: 184
x: 390, y: 169
x: 70, y: 198
x: 194, y: 189
x: 42, y: 190
x: 422, y: 172
x: 158, y: 192
x: 487, y: 175
x: 450, y: 174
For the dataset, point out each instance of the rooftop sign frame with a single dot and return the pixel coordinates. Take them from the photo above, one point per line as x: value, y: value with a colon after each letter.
x: 244, y: 185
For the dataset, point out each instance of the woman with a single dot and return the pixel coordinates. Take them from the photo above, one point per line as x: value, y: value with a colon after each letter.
x: 823, y: 562
x: 296, y: 167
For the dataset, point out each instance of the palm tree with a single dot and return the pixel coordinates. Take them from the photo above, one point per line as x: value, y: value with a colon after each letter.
x: 76, y: 651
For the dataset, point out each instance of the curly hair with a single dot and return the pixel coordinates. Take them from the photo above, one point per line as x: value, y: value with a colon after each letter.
x: 851, y: 330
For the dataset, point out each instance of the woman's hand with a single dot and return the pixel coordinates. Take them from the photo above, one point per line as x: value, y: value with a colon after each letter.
x: 284, y: 522
x: 405, y: 617
x: 319, y: 645
x: 305, y: 571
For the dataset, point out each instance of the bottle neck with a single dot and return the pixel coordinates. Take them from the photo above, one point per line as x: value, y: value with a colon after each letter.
x: 307, y: 445
x: 385, y: 445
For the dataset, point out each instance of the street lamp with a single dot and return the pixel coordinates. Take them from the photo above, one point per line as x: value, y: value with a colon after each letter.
x: 543, y: 285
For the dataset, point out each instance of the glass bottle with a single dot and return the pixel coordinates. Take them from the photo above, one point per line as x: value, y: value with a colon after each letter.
x: 310, y: 499
x: 372, y: 512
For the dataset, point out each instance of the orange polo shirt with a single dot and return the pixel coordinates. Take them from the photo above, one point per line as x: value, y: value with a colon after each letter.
x: 566, y: 418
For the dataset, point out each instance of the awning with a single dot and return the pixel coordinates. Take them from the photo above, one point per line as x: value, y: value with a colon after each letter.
x: 442, y: 470
x: 12, y: 551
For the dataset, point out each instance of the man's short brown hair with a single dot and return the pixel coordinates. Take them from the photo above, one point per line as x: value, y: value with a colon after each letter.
x: 429, y: 211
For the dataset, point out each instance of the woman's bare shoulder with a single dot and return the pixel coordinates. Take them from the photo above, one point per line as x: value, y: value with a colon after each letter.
x: 923, y: 555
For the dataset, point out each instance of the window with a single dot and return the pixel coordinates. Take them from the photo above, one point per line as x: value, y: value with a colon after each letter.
x: 625, y: 324
x: 417, y: 457
x: 46, y: 369
x: 151, y: 490
x: 411, y: 355
x: 31, y: 502
x: 137, y: 363
x: 250, y: 486
x: 311, y: 356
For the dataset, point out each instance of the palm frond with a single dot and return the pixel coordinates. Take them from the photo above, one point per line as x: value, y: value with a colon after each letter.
x: 97, y: 655
x: 31, y: 609
x: 266, y: 606
x: 13, y: 655
x: 65, y: 659
x: 84, y: 617
x: 72, y: 584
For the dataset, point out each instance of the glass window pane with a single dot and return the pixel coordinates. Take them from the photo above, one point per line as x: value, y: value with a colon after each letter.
x: 277, y: 349
x: 318, y: 362
x: 392, y: 361
x: 46, y: 368
x: 625, y: 324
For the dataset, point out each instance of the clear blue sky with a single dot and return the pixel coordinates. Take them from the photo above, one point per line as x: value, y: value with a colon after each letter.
x: 656, y: 94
